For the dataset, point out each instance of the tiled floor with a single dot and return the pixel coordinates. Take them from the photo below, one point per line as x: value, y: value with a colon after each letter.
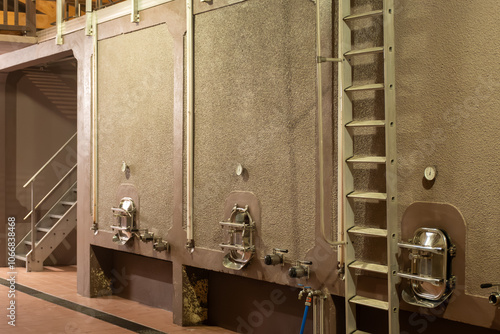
x: 34, y: 315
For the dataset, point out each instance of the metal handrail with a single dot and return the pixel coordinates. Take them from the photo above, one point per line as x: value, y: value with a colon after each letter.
x: 49, y: 161
x: 51, y: 191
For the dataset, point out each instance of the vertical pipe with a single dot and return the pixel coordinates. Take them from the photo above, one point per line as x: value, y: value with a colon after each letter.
x: 94, y: 116
x: 321, y: 315
x: 340, y: 156
x: 315, y: 315
x: 33, y: 229
x: 190, y: 122
x: 320, y: 129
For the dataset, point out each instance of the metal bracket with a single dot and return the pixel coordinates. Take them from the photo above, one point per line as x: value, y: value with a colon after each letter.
x: 89, y: 25
x: 59, y: 21
x: 134, y: 18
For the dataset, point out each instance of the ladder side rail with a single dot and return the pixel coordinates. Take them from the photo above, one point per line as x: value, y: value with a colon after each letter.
x: 391, y: 165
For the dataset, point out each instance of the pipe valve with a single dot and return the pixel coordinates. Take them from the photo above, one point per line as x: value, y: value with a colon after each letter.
x: 277, y: 257
x: 494, y: 297
x: 301, y: 269
x: 159, y: 245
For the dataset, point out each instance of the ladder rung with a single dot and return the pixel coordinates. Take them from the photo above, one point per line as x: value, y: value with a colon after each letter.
x: 375, y: 303
x: 378, y: 49
x: 369, y: 231
x: 376, y: 160
x: 368, y: 195
x: 366, y: 123
x: 68, y: 203
x: 43, y: 229
x: 363, y: 15
x: 55, y: 216
x: 377, y: 86
x: 373, y: 267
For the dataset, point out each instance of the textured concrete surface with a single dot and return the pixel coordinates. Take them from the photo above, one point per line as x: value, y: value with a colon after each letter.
x: 255, y: 106
x: 448, y: 79
x: 135, y: 124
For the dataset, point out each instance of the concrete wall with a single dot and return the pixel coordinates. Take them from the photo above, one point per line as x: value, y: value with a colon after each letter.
x: 448, y: 81
x: 255, y: 105
x: 135, y: 125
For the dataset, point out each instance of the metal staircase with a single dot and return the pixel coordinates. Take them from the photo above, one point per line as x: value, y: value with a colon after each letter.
x: 352, y: 187
x: 55, y: 225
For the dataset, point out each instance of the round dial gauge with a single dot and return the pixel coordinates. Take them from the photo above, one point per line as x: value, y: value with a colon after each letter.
x: 430, y: 173
x: 239, y: 169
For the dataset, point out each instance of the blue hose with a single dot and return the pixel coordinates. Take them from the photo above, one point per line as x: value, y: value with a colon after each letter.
x: 304, y: 320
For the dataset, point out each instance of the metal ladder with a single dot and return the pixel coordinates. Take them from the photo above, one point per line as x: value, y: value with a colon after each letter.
x: 347, y: 94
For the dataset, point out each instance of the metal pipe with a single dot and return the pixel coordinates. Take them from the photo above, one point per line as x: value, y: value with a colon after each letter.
x: 190, y: 123
x: 315, y: 314
x: 55, y: 187
x: 340, y: 158
x: 320, y: 131
x: 421, y: 278
x: 321, y: 315
x: 49, y: 161
x: 437, y: 250
x: 94, y: 114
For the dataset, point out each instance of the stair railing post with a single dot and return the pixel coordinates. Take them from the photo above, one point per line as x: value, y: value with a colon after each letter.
x: 33, y: 229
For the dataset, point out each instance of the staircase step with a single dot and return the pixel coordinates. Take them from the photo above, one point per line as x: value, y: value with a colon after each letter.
x: 56, y: 216
x: 75, y: 190
x: 67, y: 203
x: 366, y: 123
x: 375, y: 303
x: 367, y: 195
x: 357, y: 331
x: 369, y: 231
x: 373, y: 267
x: 21, y: 257
x: 364, y: 15
x: 377, y: 86
x: 43, y: 229
x: 366, y: 159
x: 378, y: 49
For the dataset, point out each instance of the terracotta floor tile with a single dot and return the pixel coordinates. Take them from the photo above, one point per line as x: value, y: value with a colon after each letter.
x: 38, y: 316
